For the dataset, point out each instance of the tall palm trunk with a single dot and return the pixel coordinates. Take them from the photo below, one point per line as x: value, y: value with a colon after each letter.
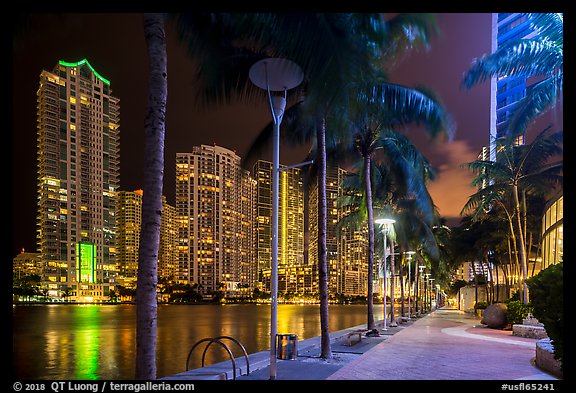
x: 513, y: 240
x: 154, y: 127
x: 370, y: 218
x: 521, y: 246
x: 401, y: 274
x: 417, y: 287
x: 326, y: 352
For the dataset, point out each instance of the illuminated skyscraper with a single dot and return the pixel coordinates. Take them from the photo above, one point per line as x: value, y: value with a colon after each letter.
x: 346, y: 248
x: 506, y: 91
x: 78, y: 157
x: 293, y: 274
x: 129, y: 221
x: 214, y: 207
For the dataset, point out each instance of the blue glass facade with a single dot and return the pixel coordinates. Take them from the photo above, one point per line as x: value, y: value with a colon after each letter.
x: 510, y: 28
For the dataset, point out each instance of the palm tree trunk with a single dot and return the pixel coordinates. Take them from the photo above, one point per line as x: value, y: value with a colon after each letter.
x: 490, y: 282
x: 508, y: 274
x: 521, y: 246
x: 154, y: 128
x: 368, y: 186
x: 514, y: 240
x: 497, y: 284
x: 417, y: 288
x: 401, y: 274
x: 529, y: 249
x: 536, y: 256
x: 326, y: 352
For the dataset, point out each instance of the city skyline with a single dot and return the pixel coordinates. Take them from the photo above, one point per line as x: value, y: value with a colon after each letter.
x: 118, y: 53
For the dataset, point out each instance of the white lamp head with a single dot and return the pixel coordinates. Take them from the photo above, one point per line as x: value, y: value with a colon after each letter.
x: 276, y: 74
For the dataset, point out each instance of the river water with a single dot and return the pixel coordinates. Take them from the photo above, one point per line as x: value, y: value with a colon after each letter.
x: 99, y: 341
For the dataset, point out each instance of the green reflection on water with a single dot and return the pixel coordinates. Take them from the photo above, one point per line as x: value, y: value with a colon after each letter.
x: 86, y: 341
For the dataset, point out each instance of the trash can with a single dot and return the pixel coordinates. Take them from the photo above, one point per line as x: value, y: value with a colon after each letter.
x: 287, y: 346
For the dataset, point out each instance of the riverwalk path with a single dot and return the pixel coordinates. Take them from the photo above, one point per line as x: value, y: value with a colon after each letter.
x: 445, y: 344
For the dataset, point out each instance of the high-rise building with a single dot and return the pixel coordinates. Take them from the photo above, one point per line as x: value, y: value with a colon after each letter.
x: 129, y: 221
x: 334, y: 178
x: 505, y: 91
x: 27, y: 264
x: 168, y: 247
x: 294, y: 275
x: 345, y: 247
x: 213, y: 206
x: 78, y: 175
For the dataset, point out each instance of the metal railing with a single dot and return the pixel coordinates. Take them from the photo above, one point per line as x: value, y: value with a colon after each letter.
x: 218, y: 340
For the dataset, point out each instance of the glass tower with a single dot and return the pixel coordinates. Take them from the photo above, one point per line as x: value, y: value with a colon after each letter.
x: 506, y: 91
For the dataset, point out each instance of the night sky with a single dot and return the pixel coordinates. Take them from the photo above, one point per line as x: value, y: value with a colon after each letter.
x: 114, y: 45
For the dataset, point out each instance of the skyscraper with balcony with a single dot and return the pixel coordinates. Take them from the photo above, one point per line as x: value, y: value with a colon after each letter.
x: 78, y: 174
x: 345, y: 247
x: 129, y: 221
x: 505, y: 91
x: 214, y: 208
x: 294, y: 275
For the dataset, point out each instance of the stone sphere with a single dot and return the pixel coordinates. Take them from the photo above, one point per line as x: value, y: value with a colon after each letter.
x: 495, y: 316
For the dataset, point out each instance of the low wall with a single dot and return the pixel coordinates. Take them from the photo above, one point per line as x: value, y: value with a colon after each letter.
x: 545, y: 358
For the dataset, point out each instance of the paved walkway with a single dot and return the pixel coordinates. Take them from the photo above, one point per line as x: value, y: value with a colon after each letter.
x: 446, y: 345
x: 443, y: 345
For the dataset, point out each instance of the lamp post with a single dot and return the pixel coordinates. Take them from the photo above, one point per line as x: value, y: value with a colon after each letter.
x: 386, y: 224
x: 420, y: 288
x: 431, y: 285
x: 275, y: 75
x: 409, y: 253
x: 426, y: 282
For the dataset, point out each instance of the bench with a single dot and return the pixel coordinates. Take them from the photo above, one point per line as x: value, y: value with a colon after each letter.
x: 354, y: 333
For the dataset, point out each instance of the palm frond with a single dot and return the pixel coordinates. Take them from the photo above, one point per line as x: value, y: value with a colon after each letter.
x: 540, y: 97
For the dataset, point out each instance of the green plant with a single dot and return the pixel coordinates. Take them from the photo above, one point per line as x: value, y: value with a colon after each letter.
x: 547, y: 294
x: 517, y: 311
x: 480, y: 305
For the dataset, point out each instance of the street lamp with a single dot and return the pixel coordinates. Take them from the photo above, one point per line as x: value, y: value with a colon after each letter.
x: 431, y: 285
x: 409, y: 253
x: 386, y: 225
x: 275, y: 75
x: 420, y: 288
x: 426, y: 282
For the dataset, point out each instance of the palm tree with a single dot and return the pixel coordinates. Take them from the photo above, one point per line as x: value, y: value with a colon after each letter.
x: 154, y: 128
x: 375, y: 111
x: 154, y: 131
x: 399, y: 190
x: 517, y: 169
x: 541, y: 56
x: 335, y: 50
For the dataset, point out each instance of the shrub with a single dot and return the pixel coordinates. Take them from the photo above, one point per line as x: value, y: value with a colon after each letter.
x: 517, y: 311
x: 480, y: 305
x: 547, y: 294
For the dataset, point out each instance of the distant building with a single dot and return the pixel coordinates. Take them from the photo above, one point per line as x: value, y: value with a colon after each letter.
x: 346, y: 248
x: 78, y: 176
x: 294, y: 275
x: 213, y: 206
x: 27, y: 264
x: 129, y: 221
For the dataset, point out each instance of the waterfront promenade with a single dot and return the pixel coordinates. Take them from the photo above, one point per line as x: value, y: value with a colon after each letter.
x: 446, y: 344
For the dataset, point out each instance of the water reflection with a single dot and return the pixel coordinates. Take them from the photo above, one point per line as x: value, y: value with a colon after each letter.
x: 99, y: 341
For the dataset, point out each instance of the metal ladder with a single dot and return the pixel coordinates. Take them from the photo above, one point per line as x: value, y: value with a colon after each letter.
x: 218, y: 340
